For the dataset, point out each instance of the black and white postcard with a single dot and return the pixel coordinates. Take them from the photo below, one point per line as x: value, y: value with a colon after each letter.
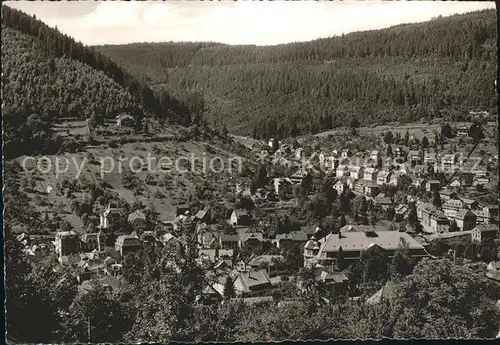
x: 250, y: 171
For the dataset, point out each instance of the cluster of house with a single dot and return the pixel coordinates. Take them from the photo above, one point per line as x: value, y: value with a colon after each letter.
x: 465, y: 213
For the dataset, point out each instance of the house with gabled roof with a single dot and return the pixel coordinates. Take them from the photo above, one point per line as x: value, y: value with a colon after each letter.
x: 401, y: 212
x: 291, y: 239
x: 482, y: 216
x: 111, y: 217
x: 240, y: 217
x: 370, y: 174
x: 330, y: 277
x: 382, y: 201
x: 414, y: 157
x: 430, y: 158
x: 208, y: 240
x: 451, y: 207
x: 386, y: 293
x: 383, y: 177
x: 439, y: 223
x: 251, y: 281
x: 340, y: 186
x: 299, y: 175
x: 127, y: 244
x: 433, y: 185
x: 346, y: 153
x: 342, y: 171
x: 92, y: 241
x: 356, y: 172
x: 374, y: 155
x: 447, y: 194
x: 251, y: 240
x: 227, y: 241
x: 399, y: 152
x: 466, y: 219
x: 203, y: 215
x: 481, y: 232
x: 471, y: 204
x: 137, y: 220
x: 266, y: 262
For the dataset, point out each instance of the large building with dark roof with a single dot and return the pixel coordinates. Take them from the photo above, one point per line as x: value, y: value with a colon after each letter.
x: 353, y: 243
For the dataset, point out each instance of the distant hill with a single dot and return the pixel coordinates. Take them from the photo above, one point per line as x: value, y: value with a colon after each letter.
x: 441, y: 68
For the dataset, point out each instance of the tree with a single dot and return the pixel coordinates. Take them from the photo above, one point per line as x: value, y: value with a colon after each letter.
x: 486, y: 254
x: 412, y: 215
x: 401, y: 265
x: 434, y: 289
x: 453, y: 226
x: 245, y: 202
x: 470, y: 251
x: 354, y: 125
x: 436, y: 199
x: 340, y: 259
x: 389, y: 151
x: 407, y: 139
x: 459, y: 250
x: 98, y: 310
x: 388, y: 137
x: 262, y: 177
x: 446, y: 131
x: 35, y: 295
x: 229, y: 291
x: 342, y: 221
x: 425, y: 142
x: 307, y: 184
x: 476, y: 131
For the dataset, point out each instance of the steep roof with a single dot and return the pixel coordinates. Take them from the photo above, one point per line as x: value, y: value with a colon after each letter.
x: 136, y: 215
x: 253, y: 279
x: 311, y: 245
x: 487, y: 228
x: 229, y: 238
x: 298, y: 236
x: 453, y: 203
x: 241, y: 213
x: 91, y: 237
x: 127, y: 241
x: 388, y: 291
x: 383, y: 174
x: 439, y: 215
x: 249, y: 235
x: 269, y: 259
x: 493, y: 275
x: 382, y: 200
x: 465, y: 213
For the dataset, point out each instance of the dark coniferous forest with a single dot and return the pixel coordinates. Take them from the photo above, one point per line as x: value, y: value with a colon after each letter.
x: 34, y: 55
x: 403, y: 73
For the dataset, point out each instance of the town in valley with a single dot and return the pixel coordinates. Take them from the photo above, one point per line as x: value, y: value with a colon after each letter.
x: 368, y: 227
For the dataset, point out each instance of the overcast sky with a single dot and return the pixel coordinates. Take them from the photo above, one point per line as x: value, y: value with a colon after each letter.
x: 231, y: 22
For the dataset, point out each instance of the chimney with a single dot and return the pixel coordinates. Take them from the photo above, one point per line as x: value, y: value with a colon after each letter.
x: 340, y: 234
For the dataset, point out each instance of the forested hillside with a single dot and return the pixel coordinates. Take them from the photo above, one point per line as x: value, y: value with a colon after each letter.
x: 403, y: 73
x: 37, y: 80
x: 37, y: 54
